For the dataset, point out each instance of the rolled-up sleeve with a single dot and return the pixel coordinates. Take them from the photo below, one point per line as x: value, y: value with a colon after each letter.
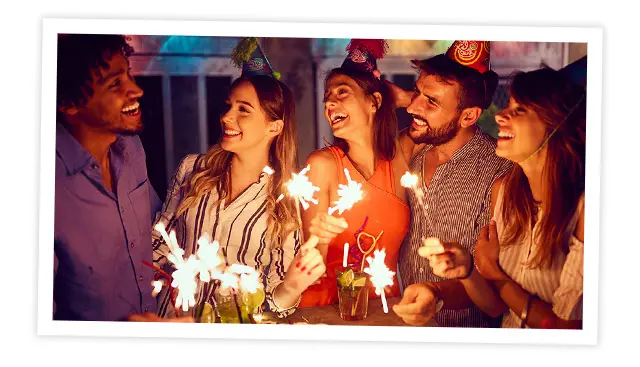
x: 567, y: 299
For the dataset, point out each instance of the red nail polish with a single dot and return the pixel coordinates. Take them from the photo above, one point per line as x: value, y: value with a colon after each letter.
x: 297, y: 265
x: 309, y: 273
x: 304, y: 267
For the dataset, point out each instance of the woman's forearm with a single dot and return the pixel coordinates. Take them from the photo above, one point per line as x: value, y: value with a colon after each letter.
x: 482, y: 293
x: 285, y: 296
x: 540, y: 314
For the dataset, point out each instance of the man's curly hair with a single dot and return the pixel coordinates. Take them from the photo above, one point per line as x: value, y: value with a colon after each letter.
x: 78, y: 56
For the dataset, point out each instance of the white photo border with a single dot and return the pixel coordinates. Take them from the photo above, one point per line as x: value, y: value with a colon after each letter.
x: 593, y: 36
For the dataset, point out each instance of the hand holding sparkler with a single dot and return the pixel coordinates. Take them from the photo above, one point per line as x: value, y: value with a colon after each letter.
x: 447, y: 259
x: 326, y: 227
x: 300, y: 188
x: 305, y: 269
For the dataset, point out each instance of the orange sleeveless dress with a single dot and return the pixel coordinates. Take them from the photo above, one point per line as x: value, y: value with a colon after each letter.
x: 379, y: 210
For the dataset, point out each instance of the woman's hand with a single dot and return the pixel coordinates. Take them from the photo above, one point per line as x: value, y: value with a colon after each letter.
x: 305, y: 269
x: 448, y: 260
x: 327, y: 227
x: 487, y: 252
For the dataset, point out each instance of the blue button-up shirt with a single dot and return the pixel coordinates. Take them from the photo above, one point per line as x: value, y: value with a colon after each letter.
x: 102, y: 236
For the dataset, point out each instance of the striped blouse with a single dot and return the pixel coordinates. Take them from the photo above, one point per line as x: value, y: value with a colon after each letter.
x: 457, y: 204
x: 560, y: 285
x: 240, y: 228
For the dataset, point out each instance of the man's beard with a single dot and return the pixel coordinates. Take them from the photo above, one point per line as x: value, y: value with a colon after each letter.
x: 129, y: 131
x: 438, y: 136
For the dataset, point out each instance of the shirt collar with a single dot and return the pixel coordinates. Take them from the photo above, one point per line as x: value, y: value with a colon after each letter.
x: 466, y: 150
x: 74, y: 156
x: 469, y: 148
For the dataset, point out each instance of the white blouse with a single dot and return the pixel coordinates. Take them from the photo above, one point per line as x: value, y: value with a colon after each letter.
x: 560, y: 284
x: 240, y: 228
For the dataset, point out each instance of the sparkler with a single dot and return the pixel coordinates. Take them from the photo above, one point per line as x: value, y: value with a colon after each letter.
x: 301, y: 188
x: 346, y: 254
x: 410, y: 181
x: 206, y: 265
x: 381, y: 276
x: 349, y: 194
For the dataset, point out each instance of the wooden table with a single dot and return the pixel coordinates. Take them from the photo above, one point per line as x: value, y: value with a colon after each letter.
x: 330, y: 315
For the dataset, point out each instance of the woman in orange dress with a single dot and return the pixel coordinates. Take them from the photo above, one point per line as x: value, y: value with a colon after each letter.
x: 360, y: 109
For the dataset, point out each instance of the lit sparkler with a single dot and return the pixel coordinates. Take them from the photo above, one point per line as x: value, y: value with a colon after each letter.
x: 301, y: 188
x: 381, y: 276
x: 349, y: 194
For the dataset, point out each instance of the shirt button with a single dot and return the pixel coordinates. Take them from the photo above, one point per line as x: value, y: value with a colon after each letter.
x: 132, y: 245
x: 140, y: 278
x: 146, y: 309
x: 95, y: 166
x: 421, y: 270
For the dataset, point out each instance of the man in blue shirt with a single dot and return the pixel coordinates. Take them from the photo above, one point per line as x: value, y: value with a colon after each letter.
x: 104, y: 202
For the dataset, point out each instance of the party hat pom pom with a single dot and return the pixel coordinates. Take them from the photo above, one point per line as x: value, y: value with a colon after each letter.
x: 276, y: 75
x: 376, y: 47
x: 243, y: 50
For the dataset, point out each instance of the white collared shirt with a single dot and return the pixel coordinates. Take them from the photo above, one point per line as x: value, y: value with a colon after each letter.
x: 240, y: 228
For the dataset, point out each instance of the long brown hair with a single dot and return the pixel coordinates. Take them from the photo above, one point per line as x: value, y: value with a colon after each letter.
x: 213, y: 169
x: 561, y: 105
x: 385, y: 122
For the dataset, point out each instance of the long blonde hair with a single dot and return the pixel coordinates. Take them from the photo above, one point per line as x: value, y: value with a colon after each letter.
x: 212, y: 170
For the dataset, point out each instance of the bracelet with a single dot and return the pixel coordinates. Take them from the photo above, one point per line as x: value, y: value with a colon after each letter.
x: 525, y: 312
x: 470, y: 269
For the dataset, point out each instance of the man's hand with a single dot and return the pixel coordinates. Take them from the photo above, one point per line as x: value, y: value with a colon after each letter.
x: 448, y: 260
x: 418, y: 305
x: 401, y: 97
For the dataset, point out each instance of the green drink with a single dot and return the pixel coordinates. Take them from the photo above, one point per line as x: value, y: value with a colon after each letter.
x: 204, y: 314
x: 235, y: 307
x: 353, y: 294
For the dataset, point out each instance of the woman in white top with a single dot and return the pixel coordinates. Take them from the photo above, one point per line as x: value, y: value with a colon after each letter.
x: 225, y: 193
x: 529, y: 260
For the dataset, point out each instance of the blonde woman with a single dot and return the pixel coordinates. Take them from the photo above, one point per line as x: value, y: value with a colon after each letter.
x: 226, y: 194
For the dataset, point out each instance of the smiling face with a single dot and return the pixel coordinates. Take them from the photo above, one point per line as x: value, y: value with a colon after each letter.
x: 520, y: 132
x: 434, y: 108
x: 245, y: 125
x: 347, y: 108
x: 114, y: 105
